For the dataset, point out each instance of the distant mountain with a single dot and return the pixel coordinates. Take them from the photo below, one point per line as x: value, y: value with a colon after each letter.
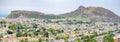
x: 97, y: 14
x: 31, y: 14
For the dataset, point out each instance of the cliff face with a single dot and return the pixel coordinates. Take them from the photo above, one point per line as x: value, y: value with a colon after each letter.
x: 97, y: 14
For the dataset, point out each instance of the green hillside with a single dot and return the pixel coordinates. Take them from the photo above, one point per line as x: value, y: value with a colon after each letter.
x: 79, y: 17
x: 35, y: 16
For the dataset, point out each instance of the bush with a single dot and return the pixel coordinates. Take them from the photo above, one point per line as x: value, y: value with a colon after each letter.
x: 65, y: 37
x: 108, y: 38
x: 78, y: 39
x: 24, y: 40
x: 19, y: 34
x: 40, y: 39
x: 13, y: 27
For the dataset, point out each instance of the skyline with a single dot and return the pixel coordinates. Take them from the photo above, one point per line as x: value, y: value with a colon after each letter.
x: 55, y: 6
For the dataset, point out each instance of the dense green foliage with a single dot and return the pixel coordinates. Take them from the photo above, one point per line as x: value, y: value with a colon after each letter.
x: 19, y: 34
x: 108, y: 38
x: 13, y: 27
x: 78, y: 40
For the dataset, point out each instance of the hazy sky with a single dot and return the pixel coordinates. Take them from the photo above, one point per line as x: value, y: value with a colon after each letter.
x: 55, y: 6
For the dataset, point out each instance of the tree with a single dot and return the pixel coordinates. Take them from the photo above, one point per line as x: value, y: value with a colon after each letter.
x: 43, y: 28
x: 47, y: 40
x: 53, y: 31
x: 76, y: 29
x: 95, y: 34
x: 78, y: 39
x: 19, y: 34
x: 35, y: 33
x: 13, y: 27
x: 1, y: 36
x: 58, y: 37
x: 21, y: 40
x: 108, y: 38
x: 40, y: 39
x: 65, y: 37
x: 35, y: 25
x: 115, y: 24
x: 89, y: 39
x: 0, y: 39
x: 46, y: 34
x: 25, y: 34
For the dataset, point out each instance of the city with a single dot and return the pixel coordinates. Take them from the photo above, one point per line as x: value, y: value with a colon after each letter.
x: 57, y: 30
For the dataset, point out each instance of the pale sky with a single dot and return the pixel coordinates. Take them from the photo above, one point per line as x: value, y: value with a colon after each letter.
x: 55, y: 6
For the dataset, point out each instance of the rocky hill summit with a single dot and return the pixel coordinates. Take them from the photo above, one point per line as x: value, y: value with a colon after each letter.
x: 94, y: 13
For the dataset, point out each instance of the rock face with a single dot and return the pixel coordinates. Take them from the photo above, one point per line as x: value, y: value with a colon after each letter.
x: 97, y: 14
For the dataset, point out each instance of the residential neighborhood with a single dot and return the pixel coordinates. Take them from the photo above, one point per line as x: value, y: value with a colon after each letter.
x: 57, y: 30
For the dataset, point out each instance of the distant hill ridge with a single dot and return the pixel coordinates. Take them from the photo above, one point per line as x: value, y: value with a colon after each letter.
x: 31, y: 14
x: 98, y: 14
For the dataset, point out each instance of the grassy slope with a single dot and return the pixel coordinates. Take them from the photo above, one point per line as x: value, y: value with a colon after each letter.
x: 80, y: 18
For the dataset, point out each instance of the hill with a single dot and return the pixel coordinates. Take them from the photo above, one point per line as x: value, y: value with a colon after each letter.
x: 97, y: 14
x: 31, y: 14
